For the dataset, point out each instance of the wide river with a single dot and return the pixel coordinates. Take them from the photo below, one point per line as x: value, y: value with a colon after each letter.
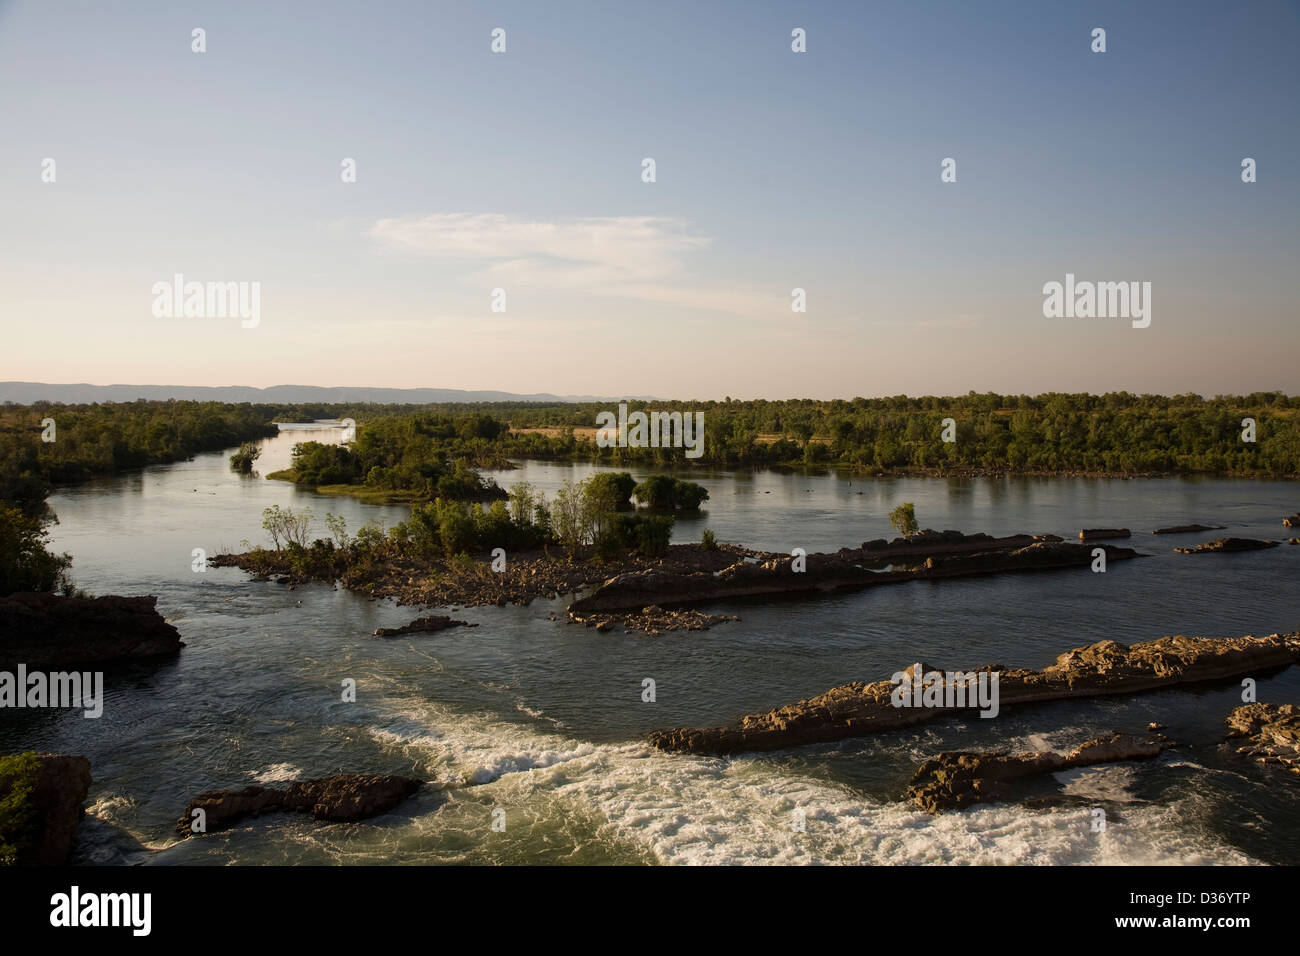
x: 545, y: 721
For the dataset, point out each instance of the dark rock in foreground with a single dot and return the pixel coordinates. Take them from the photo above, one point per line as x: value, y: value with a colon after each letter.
x: 1100, y: 534
x: 51, y: 632
x: 1097, y: 670
x: 1228, y: 545
x: 1188, y: 528
x: 343, y: 798
x: 957, y: 779
x: 48, y: 816
x: 1272, y: 731
x: 422, y: 625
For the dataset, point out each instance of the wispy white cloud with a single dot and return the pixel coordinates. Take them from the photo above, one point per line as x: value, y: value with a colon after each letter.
x: 651, y: 259
x: 568, y: 252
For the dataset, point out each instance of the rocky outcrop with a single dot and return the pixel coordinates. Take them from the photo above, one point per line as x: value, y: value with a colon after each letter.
x: 343, y: 798
x: 1100, y: 534
x: 1188, y: 528
x: 422, y: 625
x: 50, y: 632
x: 1292, y: 522
x: 1272, y: 732
x: 42, y: 823
x: 846, y: 570
x: 1102, y: 669
x: 1228, y: 545
x: 958, y: 779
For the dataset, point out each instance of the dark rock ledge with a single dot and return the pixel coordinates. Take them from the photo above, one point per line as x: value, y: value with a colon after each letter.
x: 343, y: 798
x: 1102, y: 669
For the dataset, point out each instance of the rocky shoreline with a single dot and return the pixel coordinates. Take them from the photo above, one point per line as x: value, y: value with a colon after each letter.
x: 1096, y: 670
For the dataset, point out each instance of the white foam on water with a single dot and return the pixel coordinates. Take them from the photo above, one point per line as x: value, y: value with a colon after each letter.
x: 686, y: 809
x: 1109, y: 782
x: 277, y: 773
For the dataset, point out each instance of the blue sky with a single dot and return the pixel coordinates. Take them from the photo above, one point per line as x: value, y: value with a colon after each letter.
x: 775, y: 170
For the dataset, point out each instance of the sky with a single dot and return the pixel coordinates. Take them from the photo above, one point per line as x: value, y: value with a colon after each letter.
x: 774, y: 170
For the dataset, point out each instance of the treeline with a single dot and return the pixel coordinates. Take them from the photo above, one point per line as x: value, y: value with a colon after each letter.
x: 48, y: 443
x: 1116, y: 432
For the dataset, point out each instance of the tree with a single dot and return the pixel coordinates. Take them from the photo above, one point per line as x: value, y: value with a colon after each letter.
x: 903, y: 519
x: 25, y: 565
x: 242, y: 460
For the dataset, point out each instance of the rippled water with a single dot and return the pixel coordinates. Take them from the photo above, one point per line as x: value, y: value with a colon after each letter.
x: 545, y: 721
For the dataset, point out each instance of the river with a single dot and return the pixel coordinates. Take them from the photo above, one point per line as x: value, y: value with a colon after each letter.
x: 545, y: 721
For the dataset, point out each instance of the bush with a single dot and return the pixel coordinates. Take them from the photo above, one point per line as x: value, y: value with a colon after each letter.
x: 903, y: 519
x: 19, y: 821
x: 242, y: 460
x: 707, y: 541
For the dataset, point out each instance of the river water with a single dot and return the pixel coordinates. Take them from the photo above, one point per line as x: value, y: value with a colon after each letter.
x: 539, y: 725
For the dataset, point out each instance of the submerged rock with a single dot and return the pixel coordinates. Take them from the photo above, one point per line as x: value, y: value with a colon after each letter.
x: 51, y: 632
x: 343, y: 798
x: 1102, y: 669
x: 1188, y: 528
x: 1272, y: 732
x: 1228, y: 545
x: 957, y: 779
x: 422, y: 625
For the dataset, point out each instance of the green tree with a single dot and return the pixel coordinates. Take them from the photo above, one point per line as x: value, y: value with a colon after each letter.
x: 903, y: 519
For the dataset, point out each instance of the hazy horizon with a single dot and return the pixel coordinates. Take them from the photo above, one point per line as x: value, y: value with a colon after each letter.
x: 775, y: 170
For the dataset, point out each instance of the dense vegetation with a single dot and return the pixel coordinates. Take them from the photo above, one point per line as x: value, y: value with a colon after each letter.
x: 1113, y: 433
x: 592, y: 518
x: 19, y: 818
x: 413, y: 458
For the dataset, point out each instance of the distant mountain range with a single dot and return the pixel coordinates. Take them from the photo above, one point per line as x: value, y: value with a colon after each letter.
x: 24, y: 393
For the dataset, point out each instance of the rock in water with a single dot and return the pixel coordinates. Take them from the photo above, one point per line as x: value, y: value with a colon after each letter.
x: 954, y: 780
x: 1098, y: 670
x: 1100, y: 534
x: 343, y: 798
x: 422, y: 625
x: 1272, y: 732
x: 1188, y: 528
x: 1228, y: 545
x: 51, y: 632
